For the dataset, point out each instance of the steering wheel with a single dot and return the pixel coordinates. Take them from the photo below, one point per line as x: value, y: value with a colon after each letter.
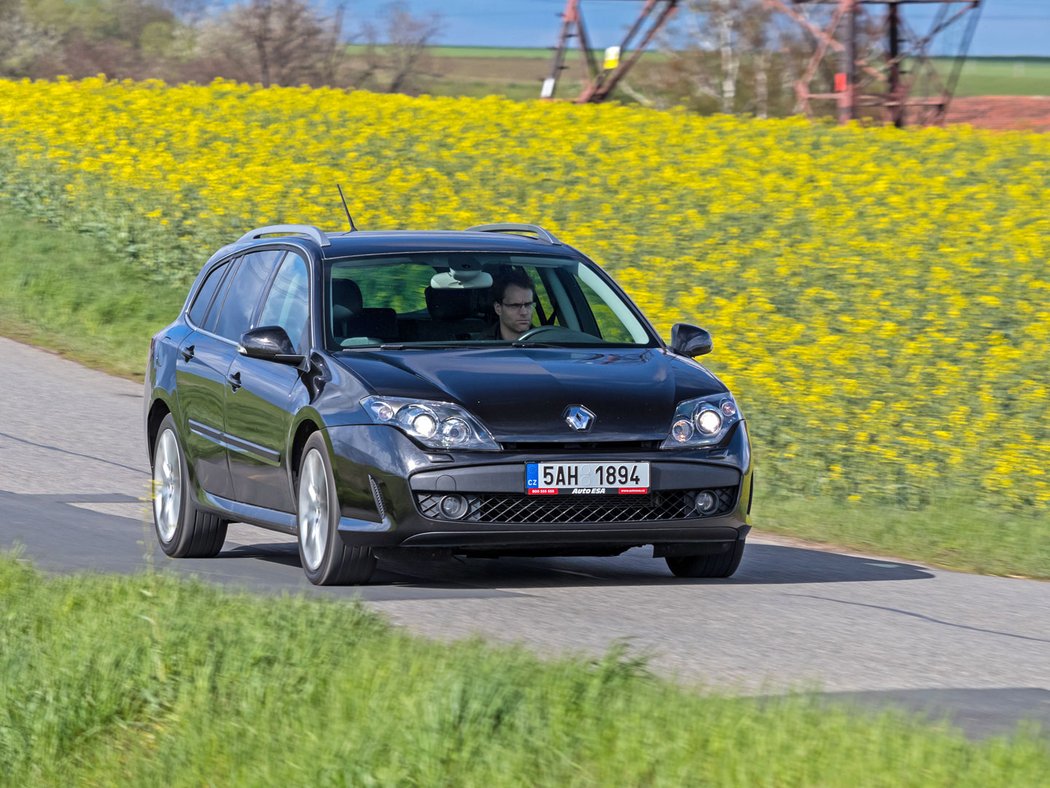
x: 532, y: 332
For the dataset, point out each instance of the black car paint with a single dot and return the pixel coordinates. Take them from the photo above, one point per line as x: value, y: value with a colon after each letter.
x: 523, y: 392
x: 242, y: 466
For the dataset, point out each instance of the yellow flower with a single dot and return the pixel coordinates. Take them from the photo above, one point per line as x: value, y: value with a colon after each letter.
x: 877, y: 297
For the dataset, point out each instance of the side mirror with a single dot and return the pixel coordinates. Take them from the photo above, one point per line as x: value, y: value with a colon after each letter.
x: 687, y: 340
x: 270, y: 343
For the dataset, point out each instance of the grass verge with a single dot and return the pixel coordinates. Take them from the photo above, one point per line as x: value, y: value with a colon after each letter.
x: 63, y: 292
x: 155, y: 680
x: 952, y: 531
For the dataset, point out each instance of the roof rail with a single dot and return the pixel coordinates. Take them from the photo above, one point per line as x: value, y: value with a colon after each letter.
x: 535, y: 229
x: 287, y: 229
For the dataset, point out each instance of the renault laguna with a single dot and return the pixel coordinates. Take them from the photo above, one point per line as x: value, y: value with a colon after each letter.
x: 487, y: 392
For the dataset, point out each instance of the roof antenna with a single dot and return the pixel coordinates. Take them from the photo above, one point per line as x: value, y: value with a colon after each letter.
x: 353, y: 227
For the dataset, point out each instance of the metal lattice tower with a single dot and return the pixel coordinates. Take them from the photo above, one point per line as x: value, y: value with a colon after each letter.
x: 900, y: 82
x: 605, y: 77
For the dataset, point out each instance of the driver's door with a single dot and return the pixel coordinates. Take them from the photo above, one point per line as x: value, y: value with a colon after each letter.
x: 265, y: 396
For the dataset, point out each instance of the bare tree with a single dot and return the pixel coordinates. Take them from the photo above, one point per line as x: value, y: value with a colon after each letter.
x: 190, y: 12
x: 120, y: 38
x: 396, y: 51
x: 276, y: 42
x: 22, y: 41
x: 722, y: 55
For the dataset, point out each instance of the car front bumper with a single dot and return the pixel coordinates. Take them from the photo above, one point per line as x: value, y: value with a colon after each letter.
x: 391, y: 492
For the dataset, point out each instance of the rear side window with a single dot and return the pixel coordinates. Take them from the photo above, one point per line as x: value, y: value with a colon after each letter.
x: 242, y: 296
x: 205, y: 293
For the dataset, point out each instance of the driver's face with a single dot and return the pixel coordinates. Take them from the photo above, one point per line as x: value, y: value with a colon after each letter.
x: 514, y: 317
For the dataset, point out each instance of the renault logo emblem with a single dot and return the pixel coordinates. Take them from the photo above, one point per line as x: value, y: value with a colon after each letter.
x: 578, y: 418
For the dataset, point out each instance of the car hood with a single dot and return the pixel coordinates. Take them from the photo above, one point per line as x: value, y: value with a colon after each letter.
x: 523, y: 393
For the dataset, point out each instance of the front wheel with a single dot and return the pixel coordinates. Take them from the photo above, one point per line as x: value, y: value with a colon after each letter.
x: 327, y: 560
x: 183, y: 529
x: 722, y: 564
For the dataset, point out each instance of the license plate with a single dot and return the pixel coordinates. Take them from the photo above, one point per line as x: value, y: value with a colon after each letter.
x: 587, y: 478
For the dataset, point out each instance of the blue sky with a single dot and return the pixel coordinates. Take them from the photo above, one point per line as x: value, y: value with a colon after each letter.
x: 1006, y: 27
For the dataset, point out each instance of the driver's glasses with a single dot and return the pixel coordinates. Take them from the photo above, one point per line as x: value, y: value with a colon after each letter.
x: 524, y: 306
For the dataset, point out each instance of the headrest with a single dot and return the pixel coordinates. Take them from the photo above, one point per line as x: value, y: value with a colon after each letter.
x: 379, y: 322
x: 449, y: 304
x: 346, y: 293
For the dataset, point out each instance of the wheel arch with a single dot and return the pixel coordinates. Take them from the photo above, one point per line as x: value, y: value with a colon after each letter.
x: 303, y: 431
x: 158, y: 410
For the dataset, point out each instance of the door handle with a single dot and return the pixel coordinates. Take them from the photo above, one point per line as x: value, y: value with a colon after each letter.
x: 234, y: 379
x: 187, y: 352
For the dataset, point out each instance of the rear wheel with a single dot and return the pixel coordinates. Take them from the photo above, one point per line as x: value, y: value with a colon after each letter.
x: 327, y: 560
x: 183, y: 529
x: 722, y: 564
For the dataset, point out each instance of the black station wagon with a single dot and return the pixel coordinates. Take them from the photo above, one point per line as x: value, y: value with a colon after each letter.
x: 482, y: 393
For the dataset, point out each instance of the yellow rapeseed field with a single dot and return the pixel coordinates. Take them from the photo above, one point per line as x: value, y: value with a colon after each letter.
x: 880, y: 299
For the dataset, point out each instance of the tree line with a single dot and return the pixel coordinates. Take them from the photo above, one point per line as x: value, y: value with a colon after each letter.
x: 730, y: 56
x: 745, y: 57
x: 272, y: 42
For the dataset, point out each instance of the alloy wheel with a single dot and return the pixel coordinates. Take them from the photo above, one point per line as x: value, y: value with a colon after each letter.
x: 167, y: 486
x: 313, y: 510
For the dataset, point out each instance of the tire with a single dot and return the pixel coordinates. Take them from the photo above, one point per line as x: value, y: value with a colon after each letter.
x: 326, y: 558
x: 183, y: 529
x: 715, y: 565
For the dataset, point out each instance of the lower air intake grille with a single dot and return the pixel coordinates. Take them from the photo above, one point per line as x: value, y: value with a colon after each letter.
x: 542, y: 509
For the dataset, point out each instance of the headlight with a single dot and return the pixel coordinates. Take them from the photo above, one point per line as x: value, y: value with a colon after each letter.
x: 437, y: 425
x: 701, y: 422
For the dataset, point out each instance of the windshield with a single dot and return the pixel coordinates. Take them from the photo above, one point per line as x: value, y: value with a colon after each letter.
x: 463, y: 298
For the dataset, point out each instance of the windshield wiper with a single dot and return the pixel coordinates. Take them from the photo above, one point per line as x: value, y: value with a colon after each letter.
x: 427, y: 345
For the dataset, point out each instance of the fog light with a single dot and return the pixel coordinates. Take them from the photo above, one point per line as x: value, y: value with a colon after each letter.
x: 453, y: 507
x: 705, y: 502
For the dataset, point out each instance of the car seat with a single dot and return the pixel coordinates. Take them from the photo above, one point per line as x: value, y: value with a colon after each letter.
x: 351, y: 320
x: 453, y: 313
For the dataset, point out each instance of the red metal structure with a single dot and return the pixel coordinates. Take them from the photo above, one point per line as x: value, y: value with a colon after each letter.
x: 899, y: 82
x: 605, y: 77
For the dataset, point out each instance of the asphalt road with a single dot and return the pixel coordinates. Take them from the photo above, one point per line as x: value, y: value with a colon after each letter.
x: 73, y: 478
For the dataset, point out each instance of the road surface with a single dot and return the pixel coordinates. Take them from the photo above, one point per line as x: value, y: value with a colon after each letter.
x: 73, y: 479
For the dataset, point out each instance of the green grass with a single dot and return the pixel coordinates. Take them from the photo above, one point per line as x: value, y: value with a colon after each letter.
x: 952, y: 531
x: 150, y: 680
x: 1005, y: 76
x: 1002, y: 76
x: 518, y: 53
x: 525, y: 53
x: 472, y: 71
x: 64, y: 292
x: 517, y: 91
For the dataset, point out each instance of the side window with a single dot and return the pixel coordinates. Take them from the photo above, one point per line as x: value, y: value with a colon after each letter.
x: 544, y: 308
x: 205, y: 293
x: 220, y: 296
x: 242, y: 296
x: 288, y: 303
x: 611, y: 328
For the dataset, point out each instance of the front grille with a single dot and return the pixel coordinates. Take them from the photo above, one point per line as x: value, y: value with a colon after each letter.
x: 567, y: 446
x: 542, y: 509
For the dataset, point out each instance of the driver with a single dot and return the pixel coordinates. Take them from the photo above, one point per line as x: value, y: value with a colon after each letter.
x: 514, y: 299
